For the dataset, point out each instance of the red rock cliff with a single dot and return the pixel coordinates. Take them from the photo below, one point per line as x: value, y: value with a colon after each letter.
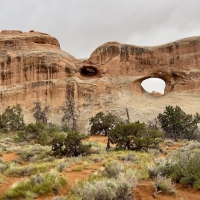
x: 34, y: 68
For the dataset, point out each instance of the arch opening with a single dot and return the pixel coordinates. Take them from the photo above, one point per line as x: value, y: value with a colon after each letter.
x: 154, y: 86
x: 88, y: 71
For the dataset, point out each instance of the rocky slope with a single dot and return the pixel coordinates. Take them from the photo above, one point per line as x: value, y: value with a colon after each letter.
x: 34, y: 68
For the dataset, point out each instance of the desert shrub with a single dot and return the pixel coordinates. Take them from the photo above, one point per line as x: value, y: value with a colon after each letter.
x: 1, y: 179
x: 70, y: 145
x: 168, y: 142
x: 13, y: 148
x: 135, y: 136
x: 61, y: 167
x: 38, y: 132
x: 107, y: 189
x: 45, y: 138
x: 130, y: 157
x: 181, y: 166
x: 72, y: 196
x: 96, y: 147
x: 164, y: 185
x: 113, y: 183
x: 153, y: 151
x: 31, y: 131
x: 38, y: 184
x: 112, y: 169
x: 179, y: 125
x: 49, y: 159
x: 3, y: 167
x: 26, y: 170
x: 8, y: 140
x: 37, y: 150
x: 65, y: 198
x: 96, y: 157
x: 190, y: 145
x: 158, y: 167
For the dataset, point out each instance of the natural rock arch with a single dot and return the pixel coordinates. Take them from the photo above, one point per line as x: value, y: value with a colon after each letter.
x: 35, y: 68
x: 154, y: 85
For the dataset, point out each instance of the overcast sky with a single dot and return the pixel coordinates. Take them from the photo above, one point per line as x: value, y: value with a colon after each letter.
x: 83, y: 25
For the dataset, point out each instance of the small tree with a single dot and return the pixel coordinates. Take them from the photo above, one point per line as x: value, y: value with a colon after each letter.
x: 12, y: 118
x: 135, y: 136
x: 70, y: 145
x: 102, y: 124
x: 39, y: 114
x: 31, y: 132
x: 177, y: 124
x: 68, y: 108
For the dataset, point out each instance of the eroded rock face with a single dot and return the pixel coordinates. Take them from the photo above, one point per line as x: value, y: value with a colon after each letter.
x: 34, y: 68
x: 177, y: 63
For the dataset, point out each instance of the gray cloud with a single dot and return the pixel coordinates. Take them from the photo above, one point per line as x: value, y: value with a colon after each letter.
x: 83, y: 25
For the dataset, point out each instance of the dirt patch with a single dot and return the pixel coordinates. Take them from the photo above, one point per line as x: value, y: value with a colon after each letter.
x: 73, y: 176
x: 98, y: 138
x: 7, y: 182
x: 9, y: 156
x: 144, y: 191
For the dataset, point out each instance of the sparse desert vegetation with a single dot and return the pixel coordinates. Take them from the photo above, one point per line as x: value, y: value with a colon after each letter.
x: 39, y: 161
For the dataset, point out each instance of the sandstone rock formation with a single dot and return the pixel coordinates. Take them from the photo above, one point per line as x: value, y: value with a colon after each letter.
x: 34, y: 68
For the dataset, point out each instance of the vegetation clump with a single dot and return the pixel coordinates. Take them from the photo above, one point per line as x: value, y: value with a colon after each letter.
x: 103, y: 124
x: 179, y: 125
x: 115, y: 188
x: 135, y: 136
x: 70, y: 145
x: 182, y: 166
x: 164, y: 185
x: 43, y: 147
x: 38, y: 184
x: 12, y: 119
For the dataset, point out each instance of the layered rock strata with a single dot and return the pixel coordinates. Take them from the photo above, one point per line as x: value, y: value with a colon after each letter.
x: 34, y: 68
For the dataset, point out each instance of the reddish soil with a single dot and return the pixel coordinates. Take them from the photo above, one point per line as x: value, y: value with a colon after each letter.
x: 144, y: 191
x: 98, y: 138
x: 7, y: 182
x: 10, y: 156
x: 73, y: 176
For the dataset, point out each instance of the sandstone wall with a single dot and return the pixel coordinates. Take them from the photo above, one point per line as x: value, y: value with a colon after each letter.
x: 34, y: 68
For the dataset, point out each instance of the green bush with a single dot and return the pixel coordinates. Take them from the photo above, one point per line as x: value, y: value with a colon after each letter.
x: 179, y: 125
x: 164, y: 185
x: 117, y: 187
x: 135, y: 136
x: 102, y: 124
x: 70, y: 145
x: 12, y: 119
x: 113, y: 169
x: 37, y: 151
x: 26, y: 170
x: 39, y: 184
x: 107, y: 189
x: 181, y: 166
x: 38, y: 132
x: 31, y: 131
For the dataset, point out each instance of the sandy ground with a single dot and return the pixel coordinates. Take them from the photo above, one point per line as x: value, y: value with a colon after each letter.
x: 143, y: 191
